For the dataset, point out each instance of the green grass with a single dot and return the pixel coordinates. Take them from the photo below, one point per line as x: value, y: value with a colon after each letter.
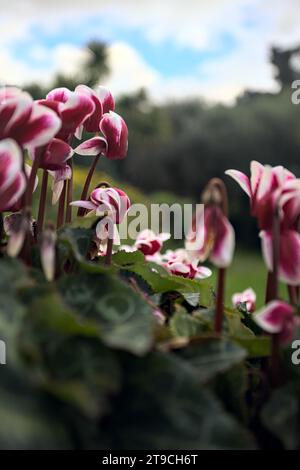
x: 248, y: 270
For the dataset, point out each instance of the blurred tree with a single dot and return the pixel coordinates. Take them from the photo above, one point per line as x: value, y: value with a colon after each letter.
x: 91, y: 73
x: 282, y: 60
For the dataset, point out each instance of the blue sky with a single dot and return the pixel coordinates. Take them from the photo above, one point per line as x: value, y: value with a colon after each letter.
x: 176, y: 49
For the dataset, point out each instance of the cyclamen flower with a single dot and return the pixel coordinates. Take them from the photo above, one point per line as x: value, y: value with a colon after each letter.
x: 247, y: 297
x: 29, y: 123
x: 113, y: 145
x: 114, y: 142
x: 104, y: 103
x: 111, y: 203
x: 73, y: 108
x: 216, y: 234
x: 273, y: 189
x: 178, y: 263
x: 149, y: 243
x: 12, y: 179
x: 280, y: 318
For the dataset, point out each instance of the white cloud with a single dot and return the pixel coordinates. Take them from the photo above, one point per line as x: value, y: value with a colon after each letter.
x: 254, y: 25
x: 129, y: 71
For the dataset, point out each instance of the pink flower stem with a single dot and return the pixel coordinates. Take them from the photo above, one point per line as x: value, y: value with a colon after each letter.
x: 216, y: 194
x: 272, y: 294
x: 32, y: 177
x: 69, y: 196
x: 25, y: 253
x: 1, y: 227
x: 42, y: 204
x: 293, y: 294
x: 61, y: 207
x: 87, y: 183
x: 272, y: 287
x: 220, y: 300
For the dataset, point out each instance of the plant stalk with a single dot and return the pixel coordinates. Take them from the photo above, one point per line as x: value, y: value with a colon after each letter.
x: 293, y: 294
x: 108, y: 256
x: 69, y: 196
x: 87, y: 183
x: 42, y: 203
x: 61, y: 207
x: 220, y: 300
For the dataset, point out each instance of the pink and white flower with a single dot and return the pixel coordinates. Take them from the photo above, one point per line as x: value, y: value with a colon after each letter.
x: 113, y: 145
x: 104, y: 103
x: 73, y: 108
x: 273, y: 189
x: 178, y: 263
x: 217, y: 239
x: 12, y: 179
x: 111, y: 202
x: 247, y: 297
x: 54, y: 156
x: 29, y: 123
x: 278, y: 317
x: 149, y: 243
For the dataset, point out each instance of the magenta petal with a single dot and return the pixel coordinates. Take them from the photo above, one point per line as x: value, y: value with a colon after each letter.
x: 10, y: 162
x: 74, y: 112
x: 13, y: 193
x: 41, y: 127
x: 116, y: 134
x: 241, y: 179
x: 224, y: 243
x: 278, y: 317
x: 289, y: 265
x: 56, y: 155
x: 91, y: 124
x: 94, y: 146
x: 59, y: 94
x: 106, y: 98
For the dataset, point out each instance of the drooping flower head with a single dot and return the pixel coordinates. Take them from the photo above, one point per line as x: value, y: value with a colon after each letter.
x: 106, y: 201
x: 73, y: 108
x: 12, y: 178
x: 212, y: 236
x: 27, y: 122
x: 275, y: 191
x: 278, y: 317
x: 178, y: 262
x: 114, y: 140
x: 104, y: 103
x: 149, y: 243
x: 247, y: 297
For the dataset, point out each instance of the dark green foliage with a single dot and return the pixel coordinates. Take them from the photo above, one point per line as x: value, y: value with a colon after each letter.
x: 89, y: 366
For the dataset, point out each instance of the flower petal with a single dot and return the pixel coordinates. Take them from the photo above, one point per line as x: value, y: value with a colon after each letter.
x: 241, y: 179
x: 224, y: 243
x: 94, y: 146
x: 54, y: 157
x: 116, y: 134
x: 10, y: 162
x: 106, y: 99
x: 289, y: 263
x: 42, y: 126
x: 273, y: 317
